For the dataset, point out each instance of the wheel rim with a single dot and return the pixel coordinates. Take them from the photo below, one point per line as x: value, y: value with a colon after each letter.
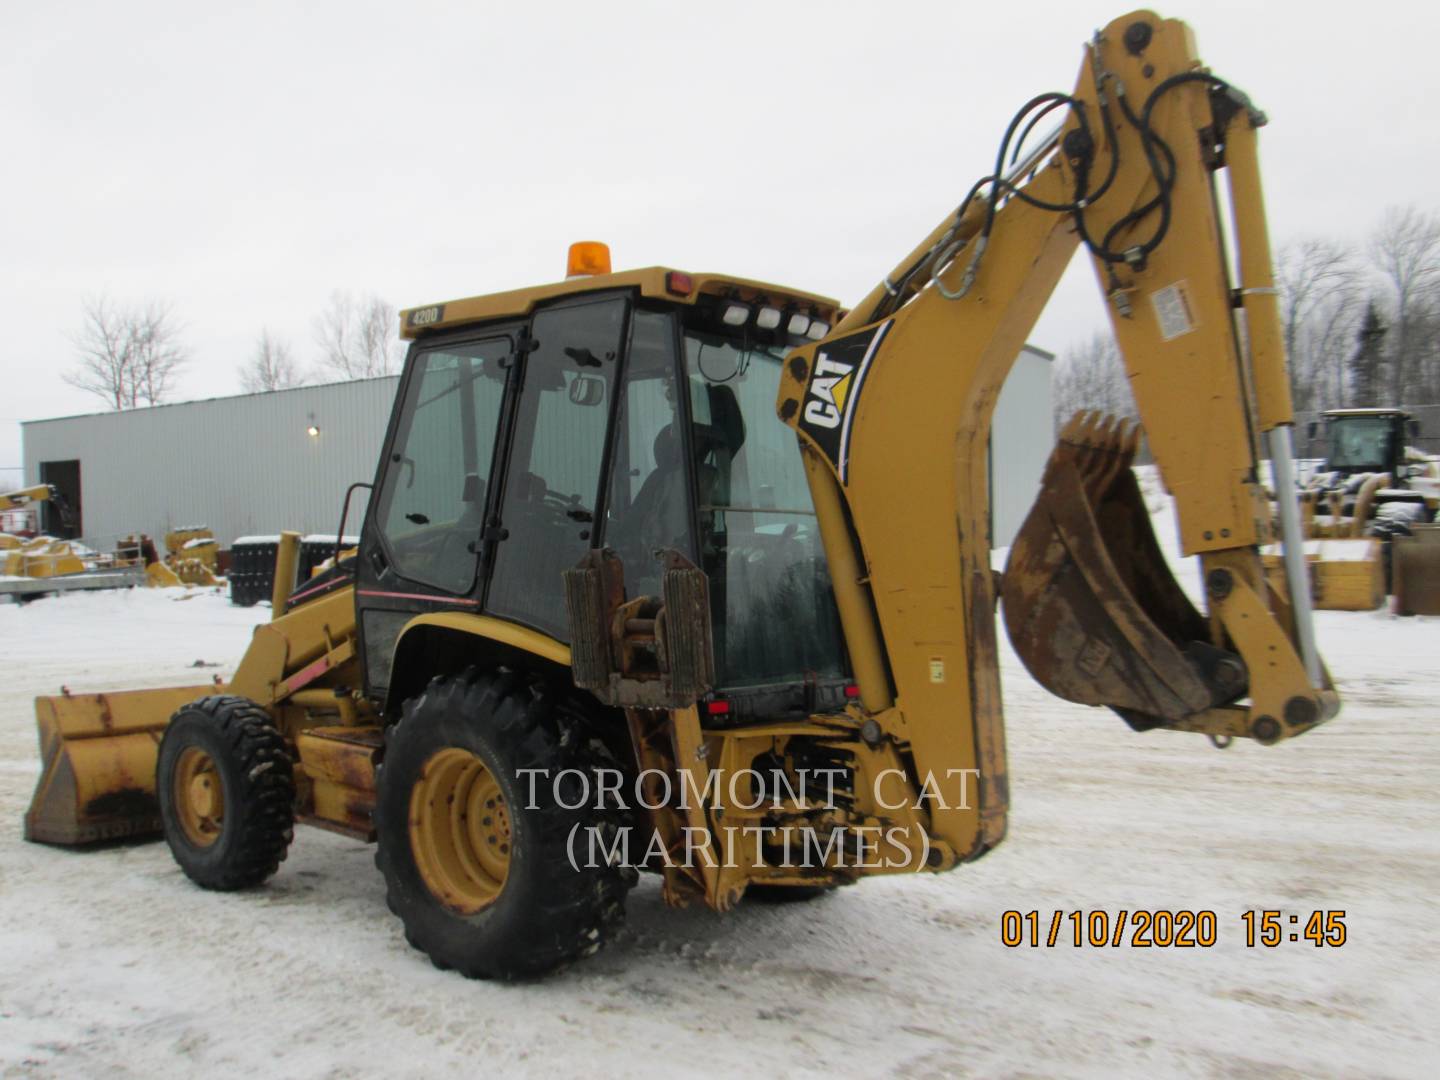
x: 199, y: 797
x: 460, y: 830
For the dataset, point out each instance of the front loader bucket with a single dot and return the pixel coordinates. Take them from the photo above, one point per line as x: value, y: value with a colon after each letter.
x: 1090, y: 604
x: 98, y: 751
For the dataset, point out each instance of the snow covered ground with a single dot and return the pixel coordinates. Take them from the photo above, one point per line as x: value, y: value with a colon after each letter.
x: 111, y: 962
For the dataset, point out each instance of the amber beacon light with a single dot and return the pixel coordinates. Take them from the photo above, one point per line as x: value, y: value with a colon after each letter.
x: 587, y: 257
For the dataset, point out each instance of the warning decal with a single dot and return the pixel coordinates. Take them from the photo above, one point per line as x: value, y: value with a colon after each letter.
x: 1173, y: 311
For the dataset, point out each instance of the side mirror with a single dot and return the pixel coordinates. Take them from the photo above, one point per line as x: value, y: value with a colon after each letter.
x: 1413, y: 427
x: 587, y: 390
x: 1312, y: 429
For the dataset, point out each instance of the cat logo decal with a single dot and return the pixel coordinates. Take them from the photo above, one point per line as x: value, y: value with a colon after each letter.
x: 833, y: 392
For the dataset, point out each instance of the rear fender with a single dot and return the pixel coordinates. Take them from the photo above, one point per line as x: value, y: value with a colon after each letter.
x: 446, y: 643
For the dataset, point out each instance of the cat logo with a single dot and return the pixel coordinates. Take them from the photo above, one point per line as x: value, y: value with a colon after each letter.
x: 829, y: 389
x: 832, y: 395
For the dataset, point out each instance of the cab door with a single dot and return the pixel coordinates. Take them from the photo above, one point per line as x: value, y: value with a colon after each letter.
x: 550, y: 501
x: 422, y: 532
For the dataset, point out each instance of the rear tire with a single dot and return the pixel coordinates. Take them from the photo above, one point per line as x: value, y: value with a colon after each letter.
x: 479, y: 874
x: 226, y: 787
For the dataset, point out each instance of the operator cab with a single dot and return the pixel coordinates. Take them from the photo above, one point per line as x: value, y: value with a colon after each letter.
x: 1366, y: 440
x: 631, y: 411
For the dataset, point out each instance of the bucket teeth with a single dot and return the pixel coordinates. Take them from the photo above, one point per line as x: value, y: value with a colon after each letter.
x: 1132, y: 439
x: 1097, y: 432
x: 1099, y: 447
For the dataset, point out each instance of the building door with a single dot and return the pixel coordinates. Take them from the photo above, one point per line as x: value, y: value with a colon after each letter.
x: 64, y: 476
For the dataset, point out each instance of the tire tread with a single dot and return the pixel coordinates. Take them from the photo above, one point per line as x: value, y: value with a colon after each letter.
x: 265, y: 801
x: 529, y: 727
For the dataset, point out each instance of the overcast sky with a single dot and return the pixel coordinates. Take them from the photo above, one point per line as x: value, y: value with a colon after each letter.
x: 242, y: 161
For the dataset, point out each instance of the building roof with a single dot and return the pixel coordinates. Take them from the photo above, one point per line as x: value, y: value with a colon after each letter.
x: 213, y: 398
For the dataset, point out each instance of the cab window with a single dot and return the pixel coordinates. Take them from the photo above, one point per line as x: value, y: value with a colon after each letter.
x: 552, y: 481
x: 648, y: 508
x: 770, y: 594
x: 432, y: 502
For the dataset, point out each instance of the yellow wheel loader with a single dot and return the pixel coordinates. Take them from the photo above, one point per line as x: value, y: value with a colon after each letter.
x: 1370, y: 506
x: 609, y: 614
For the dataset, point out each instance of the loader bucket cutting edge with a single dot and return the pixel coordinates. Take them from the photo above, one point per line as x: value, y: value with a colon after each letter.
x: 1091, y: 606
x: 97, y: 781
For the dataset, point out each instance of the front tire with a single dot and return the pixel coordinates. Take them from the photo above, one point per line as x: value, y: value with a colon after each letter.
x: 226, y: 787
x: 479, y: 873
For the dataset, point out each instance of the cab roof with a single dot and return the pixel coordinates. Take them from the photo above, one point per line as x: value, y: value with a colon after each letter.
x: 655, y: 282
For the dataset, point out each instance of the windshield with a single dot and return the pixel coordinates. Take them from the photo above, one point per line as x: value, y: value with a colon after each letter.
x: 1360, y: 442
x: 774, y: 611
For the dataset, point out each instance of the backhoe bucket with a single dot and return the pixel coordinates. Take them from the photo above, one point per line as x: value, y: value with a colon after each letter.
x: 98, y: 776
x: 1090, y: 604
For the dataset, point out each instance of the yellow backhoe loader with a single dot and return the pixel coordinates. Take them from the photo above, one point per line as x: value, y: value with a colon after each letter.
x: 609, y: 614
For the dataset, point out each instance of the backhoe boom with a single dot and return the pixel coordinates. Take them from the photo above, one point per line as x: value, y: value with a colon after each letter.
x: 898, y: 467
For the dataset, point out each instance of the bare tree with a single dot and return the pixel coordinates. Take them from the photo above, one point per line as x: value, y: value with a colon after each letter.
x: 158, y: 354
x: 1306, y: 272
x: 1425, y: 352
x: 357, y: 336
x: 1320, y: 300
x: 104, y: 366
x: 1320, y: 368
x: 1091, y: 375
x: 1406, y: 252
x: 128, y: 357
x: 271, y: 367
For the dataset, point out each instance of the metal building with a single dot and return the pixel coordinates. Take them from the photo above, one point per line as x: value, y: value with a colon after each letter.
x: 257, y: 463
x: 1021, y: 438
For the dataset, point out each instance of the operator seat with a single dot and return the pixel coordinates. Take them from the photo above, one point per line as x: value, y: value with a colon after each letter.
x: 658, y: 516
x: 668, y: 467
x: 658, y: 512
x: 457, y: 553
x: 716, y: 445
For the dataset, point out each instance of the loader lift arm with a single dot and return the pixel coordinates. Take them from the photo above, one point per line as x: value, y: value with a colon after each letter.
x: 893, y: 413
x: 98, y: 751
